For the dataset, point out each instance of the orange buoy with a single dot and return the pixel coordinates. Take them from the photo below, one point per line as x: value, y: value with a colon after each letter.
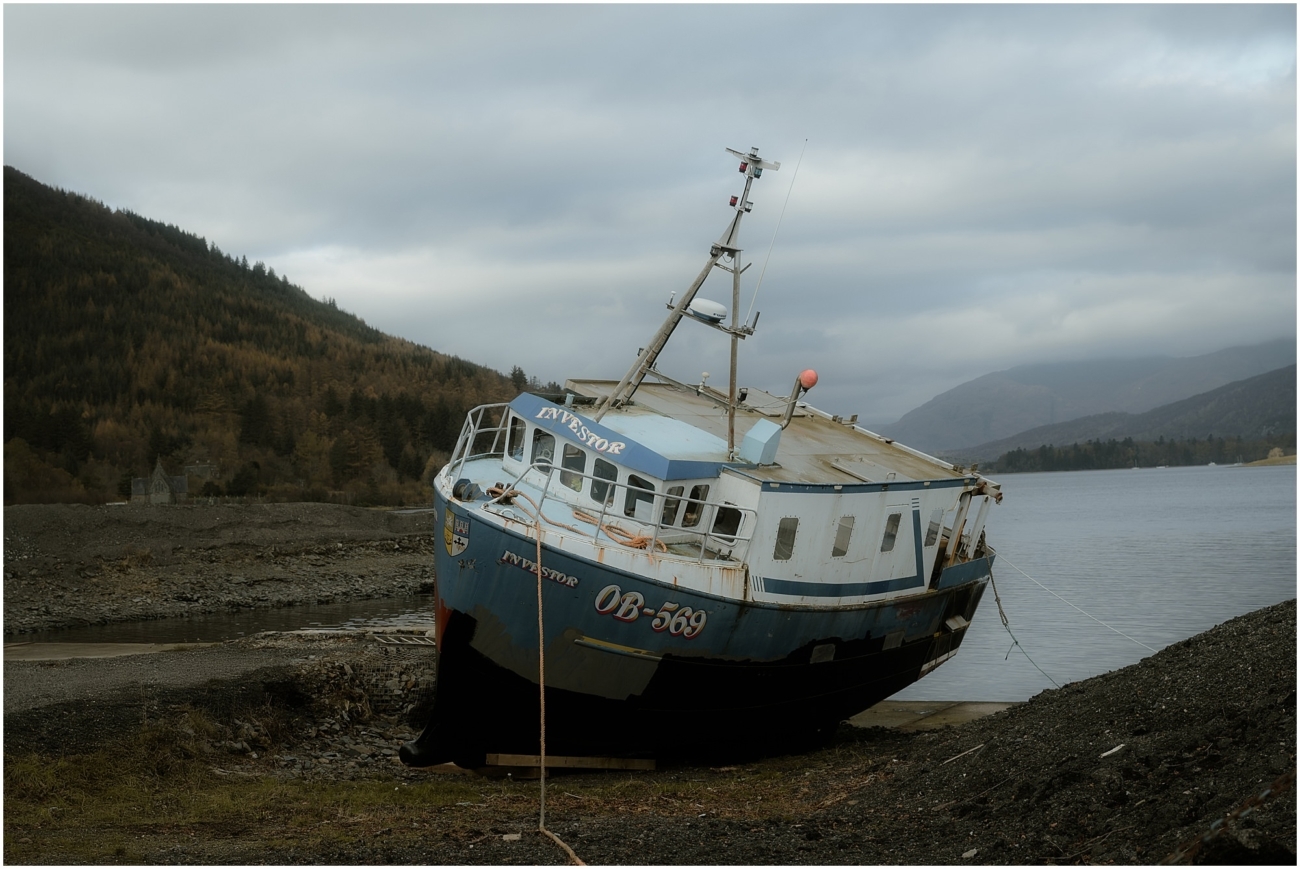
x: 808, y: 379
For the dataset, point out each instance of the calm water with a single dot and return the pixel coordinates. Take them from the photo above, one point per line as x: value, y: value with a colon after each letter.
x: 1160, y: 554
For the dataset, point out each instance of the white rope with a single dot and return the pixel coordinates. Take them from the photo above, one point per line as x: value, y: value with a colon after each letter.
x: 541, y: 680
x: 1003, y: 558
x: 774, y: 232
x: 541, y: 702
x: 1015, y: 643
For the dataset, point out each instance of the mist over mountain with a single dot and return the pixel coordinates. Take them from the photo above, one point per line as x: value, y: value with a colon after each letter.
x: 1258, y: 407
x: 1005, y: 403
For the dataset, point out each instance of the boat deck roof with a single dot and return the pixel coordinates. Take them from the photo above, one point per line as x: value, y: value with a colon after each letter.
x: 813, y: 449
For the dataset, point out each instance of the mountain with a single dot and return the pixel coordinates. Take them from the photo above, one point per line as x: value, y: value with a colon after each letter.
x: 1003, y: 403
x: 1257, y: 407
x: 127, y: 341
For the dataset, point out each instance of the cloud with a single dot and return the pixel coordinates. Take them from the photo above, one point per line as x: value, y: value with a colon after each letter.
x: 982, y: 186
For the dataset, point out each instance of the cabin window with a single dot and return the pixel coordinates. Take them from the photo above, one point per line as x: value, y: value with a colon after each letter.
x: 843, y: 533
x: 543, y: 447
x: 640, y: 500
x: 695, y: 510
x: 602, y: 492
x: 936, y: 525
x: 891, y: 532
x: 785, y: 532
x: 574, y: 462
x: 727, y: 523
x: 515, y: 439
x: 671, y: 505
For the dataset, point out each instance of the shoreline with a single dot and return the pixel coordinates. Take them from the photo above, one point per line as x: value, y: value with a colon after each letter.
x: 74, y: 565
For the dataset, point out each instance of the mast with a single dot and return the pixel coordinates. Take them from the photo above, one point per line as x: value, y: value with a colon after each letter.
x: 727, y: 246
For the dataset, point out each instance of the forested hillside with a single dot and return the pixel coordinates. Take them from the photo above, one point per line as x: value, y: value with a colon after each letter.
x: 127, y: 341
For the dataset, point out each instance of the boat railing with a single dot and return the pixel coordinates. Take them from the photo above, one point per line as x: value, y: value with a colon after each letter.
x: 723, y: 544
x: 479, y: 424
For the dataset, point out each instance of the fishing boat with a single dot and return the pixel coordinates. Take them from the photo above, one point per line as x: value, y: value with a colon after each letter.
x: 688, y: 570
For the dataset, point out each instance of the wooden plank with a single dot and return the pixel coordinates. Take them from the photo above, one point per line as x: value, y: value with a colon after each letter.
x: 561, y: 762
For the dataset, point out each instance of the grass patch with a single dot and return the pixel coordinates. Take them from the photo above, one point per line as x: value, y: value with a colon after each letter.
x: 164, y: 795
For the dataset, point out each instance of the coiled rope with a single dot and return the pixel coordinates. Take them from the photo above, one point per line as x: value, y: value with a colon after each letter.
x: 502, y: 495
x: 621, y: 535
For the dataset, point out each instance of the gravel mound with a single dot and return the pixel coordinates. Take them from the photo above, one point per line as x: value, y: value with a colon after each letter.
x: 1128, y: 767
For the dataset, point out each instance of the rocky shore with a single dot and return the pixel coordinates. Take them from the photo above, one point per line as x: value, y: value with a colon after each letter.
x: 1188, y: 755
x: 281, y: 748
x: 68, y: 565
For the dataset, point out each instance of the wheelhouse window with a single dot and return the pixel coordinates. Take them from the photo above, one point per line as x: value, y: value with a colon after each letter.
x: 602, y: 492
x: 640, y: 499
x: 843, y: 534
x: 574, y: 462
x: 727, y: 522
x: 671, y: 505
x: 515, y: 439
x: 936, y: 525
x: 695, y: 509
x: 543, y: 447
x: 891, y: 532
x: 785, y: 533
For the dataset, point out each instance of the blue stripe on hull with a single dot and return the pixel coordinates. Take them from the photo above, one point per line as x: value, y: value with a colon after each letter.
x: 857, y: 589
x: 750, y: 667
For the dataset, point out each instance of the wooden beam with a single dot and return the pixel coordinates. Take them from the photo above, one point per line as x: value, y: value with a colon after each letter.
x: 561, y: 762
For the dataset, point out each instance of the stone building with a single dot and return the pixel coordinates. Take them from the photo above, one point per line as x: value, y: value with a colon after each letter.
x: 160, y: 488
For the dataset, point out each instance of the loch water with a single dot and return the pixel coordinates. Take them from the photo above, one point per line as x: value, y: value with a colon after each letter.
x: 1159, y: 554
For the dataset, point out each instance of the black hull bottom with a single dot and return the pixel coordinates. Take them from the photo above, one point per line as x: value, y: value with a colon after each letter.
x: 692, y: 708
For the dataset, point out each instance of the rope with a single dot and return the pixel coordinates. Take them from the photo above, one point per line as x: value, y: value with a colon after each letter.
x: 1014, y: 642
x: 614, y: 532
x: 763, y: 271
x: 541, y: 681
x: 1089, y: 615
x: 621, y: 535
x: 577, y: 861
x: 541, y: 703
x: 1188, y: 851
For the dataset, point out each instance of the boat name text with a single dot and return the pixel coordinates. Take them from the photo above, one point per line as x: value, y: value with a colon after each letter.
x: 586, y: 435
x: 508, y: 557
x: 671, y: 617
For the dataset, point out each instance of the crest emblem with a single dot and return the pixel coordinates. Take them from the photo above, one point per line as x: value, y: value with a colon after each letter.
x: 455, y: 533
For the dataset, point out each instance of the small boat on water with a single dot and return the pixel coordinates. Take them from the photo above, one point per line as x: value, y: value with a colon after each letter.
x: 695, y: 570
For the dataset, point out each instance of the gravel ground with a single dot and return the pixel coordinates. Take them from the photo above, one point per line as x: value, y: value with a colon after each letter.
x: 70, y: 564
x: 1128, y: 767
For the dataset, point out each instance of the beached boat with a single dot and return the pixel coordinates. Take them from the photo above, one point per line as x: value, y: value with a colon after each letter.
x: 714, y: 570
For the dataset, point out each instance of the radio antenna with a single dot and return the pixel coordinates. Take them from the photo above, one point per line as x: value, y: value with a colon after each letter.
x: 763, y: 271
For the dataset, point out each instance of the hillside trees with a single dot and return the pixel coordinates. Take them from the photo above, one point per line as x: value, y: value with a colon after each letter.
x: 127, y: 340
x: 1100, y: 455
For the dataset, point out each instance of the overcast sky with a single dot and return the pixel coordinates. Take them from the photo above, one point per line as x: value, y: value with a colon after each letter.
x: 981, y: 187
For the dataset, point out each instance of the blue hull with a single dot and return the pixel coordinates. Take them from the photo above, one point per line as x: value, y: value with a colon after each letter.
x: 633, y: 669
